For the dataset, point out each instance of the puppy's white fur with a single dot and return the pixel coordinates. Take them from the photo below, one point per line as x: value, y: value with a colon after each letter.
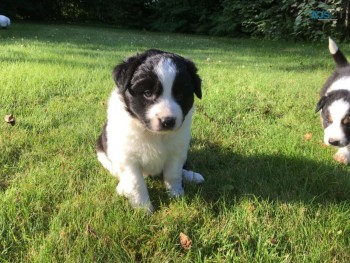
x: 167, y: 106
x: 343, y: 155
x: 342, y: 83
x: 333, y: 48
x: 338, y: 110
x: 135, y: 152
x: 4, y: 21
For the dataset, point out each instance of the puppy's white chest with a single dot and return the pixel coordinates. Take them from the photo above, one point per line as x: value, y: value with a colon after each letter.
x: 152, y: 159
x: 154, y: 153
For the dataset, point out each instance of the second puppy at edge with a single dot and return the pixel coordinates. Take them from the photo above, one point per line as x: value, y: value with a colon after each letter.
x: 335, y: 106
x: 148, y: 127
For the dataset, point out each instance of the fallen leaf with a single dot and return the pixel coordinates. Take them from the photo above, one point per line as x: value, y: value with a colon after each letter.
x: 251, y: 208
x: 273, y: 241
x: 90, y: 231
x: 185, y: 241
x: 307, y: 136
x: 10, y: 119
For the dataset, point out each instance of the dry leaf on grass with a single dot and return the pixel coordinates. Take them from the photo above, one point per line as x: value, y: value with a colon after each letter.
x: 90, y: 231
x: 185, y: 241
x: 10, y: 119
x: 273, y: 241
x: 307, y: 136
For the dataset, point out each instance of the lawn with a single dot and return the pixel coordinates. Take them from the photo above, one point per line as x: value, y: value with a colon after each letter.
x: 273, y: 192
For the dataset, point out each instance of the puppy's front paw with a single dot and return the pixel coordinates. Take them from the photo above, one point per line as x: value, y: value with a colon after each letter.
x: 141, y: 204
x: 121, y: 189
x: 176, y: 191
x: 342, y: 157
x: 191, y: 176
x: 135, y: 199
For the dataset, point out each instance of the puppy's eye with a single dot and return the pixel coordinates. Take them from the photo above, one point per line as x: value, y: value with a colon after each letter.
x: 346, y: 120
x: 329, y: 119
x: 147, y: 93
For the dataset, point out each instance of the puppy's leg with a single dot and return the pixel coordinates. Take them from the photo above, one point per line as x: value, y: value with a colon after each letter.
x: 132, y: 185
x: 106, y: 163
x: 173, y: 177
x: 343, y: 155
x: 191, y: 176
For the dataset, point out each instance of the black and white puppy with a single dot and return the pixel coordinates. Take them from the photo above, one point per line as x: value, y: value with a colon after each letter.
x: 149, y: 121
x: 335, y: 106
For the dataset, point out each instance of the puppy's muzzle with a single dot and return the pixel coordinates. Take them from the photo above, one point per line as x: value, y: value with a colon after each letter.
x: 167, y: 123
x: 334, y: 142
x: 337, y: 143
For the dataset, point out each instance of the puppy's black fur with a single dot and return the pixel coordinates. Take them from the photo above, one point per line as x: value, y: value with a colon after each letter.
x: 336, y: 92
x: 136, y: 81
x: 140, y: 87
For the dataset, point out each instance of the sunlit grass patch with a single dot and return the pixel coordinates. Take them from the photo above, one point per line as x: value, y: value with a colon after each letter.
x: 269, y: 195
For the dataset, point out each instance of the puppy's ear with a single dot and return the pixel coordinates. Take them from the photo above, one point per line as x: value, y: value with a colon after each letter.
x: 123, y: 72
x: 119, y: 75
x: 321, y: 103
x: 197, y: 82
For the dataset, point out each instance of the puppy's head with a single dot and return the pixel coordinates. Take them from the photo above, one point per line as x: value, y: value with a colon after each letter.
x: 158, y: 88
x: 335, y: 113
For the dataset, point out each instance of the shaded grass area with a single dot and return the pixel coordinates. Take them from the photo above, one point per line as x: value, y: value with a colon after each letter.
x: 269, y: 195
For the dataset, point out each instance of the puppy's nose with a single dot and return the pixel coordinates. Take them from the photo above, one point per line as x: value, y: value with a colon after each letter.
x: 334, y: 142
x: 168, y: 122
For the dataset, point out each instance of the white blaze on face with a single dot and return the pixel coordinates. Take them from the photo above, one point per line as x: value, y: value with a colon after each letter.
x: 166, y: 106
x: 337, y: 111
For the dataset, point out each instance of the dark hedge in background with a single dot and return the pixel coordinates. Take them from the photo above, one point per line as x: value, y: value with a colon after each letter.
x: 270, y: 19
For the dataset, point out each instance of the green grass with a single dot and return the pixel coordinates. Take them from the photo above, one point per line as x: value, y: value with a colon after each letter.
x: 269, y: 195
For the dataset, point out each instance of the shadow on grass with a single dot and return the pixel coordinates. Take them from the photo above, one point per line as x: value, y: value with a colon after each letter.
x: 272, y: 177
